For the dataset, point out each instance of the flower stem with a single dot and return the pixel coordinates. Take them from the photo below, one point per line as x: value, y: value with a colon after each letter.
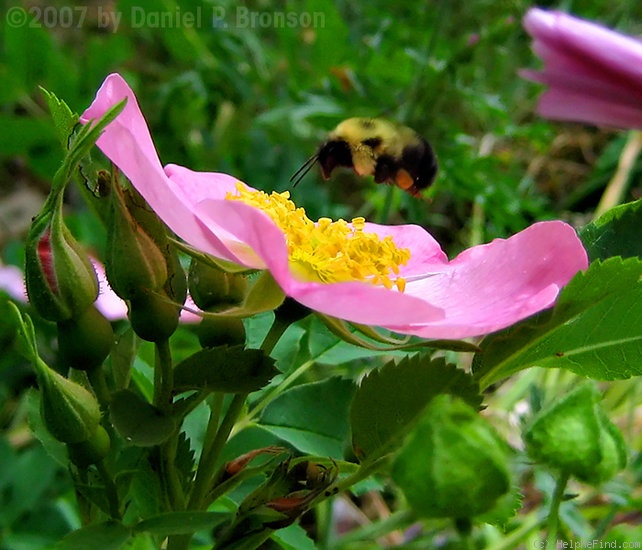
x: 163, y: 376
x: 209, y: 459
x: 556, y: 501
x: 110, y: 490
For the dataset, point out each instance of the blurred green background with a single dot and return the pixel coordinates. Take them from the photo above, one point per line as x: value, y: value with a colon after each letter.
x: 251, y: 89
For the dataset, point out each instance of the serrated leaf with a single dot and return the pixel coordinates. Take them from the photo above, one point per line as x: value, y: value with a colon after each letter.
x: 179, y: 523
x: 616, y: 233
x: 312, y: 417
x: 64, y: 119
x: 595, y: 329
x: 109, y: 535
x: 505, y: 508
x: 226, y: 369
x: 391, y: 399
x: 138, y: 421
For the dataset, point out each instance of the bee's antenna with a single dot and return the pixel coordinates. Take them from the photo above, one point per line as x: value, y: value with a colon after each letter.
x: 301, y: 172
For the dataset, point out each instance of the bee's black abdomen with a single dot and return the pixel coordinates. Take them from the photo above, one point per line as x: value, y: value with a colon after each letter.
x: 386, y: 169
x: 421, y: 163
x: 332, y: 154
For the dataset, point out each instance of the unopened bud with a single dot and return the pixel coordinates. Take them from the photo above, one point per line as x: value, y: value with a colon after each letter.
x: 91, y: 451
x: 453, y: 465
x: 61, y: 281
x: 217, y: 331
x: 69, y: 411
x: 213, y: 289
x: 153, y: 316
x: 575, y: 436
x: 135, y: 262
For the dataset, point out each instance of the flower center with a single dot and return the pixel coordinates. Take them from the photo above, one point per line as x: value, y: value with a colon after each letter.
x: 329, y: 251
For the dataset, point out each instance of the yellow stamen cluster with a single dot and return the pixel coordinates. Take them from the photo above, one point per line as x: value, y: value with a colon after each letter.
x: 329, y: 251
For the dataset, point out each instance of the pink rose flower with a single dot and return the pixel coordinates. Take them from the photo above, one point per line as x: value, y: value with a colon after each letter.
x: 594, y: 74
x: 482, y: 290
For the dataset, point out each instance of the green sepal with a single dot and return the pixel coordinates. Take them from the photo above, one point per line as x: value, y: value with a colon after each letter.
x: 453, y: 464
x: 64, y: 119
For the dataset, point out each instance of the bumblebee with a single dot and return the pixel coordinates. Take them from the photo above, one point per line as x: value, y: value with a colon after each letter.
x: 390, y: 152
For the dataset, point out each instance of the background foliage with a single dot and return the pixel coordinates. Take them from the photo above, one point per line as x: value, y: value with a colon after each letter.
x: 255, y: 101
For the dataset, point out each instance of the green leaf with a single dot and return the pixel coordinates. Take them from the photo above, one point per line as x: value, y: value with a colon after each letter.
x: 595, y: 329
x: 616, y: 233
x: 391, y: 399
x: 138, y: 421
x: 312, y: 417
x: 180, y: 523
x: 64, y: 119
x: 226, y: 369
x: 109, y: 535
x: 293, y: 537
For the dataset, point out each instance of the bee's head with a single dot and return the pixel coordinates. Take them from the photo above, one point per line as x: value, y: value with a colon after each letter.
x: 333, y: 153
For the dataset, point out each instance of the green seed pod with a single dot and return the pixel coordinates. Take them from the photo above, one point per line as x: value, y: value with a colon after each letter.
x: 216, y: 331
x: 454, y: 464
x: 85, y: 340
x: 70, y: 412
x: 92, y: 450
x: 153, y: 316
x: 61, y: 281
x: 575, y: 436
x: 213, y: 289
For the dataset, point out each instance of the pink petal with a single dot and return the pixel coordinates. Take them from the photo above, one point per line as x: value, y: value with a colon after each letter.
x: 108, y: 302
x: 12, y: 281
x: 492, y: 286
x: 594, y: 74
x: 128, y: 144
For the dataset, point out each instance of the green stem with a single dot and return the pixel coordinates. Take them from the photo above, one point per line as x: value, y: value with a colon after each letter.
x: 464, y: 528
x: 163, y: 376
x: 207, y: 464
x: 99, y: 385
x: 270, y: 395
x: 554, y: 511
x: 169, y: 474
x: 110, y: 491
x: 274, y: 335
